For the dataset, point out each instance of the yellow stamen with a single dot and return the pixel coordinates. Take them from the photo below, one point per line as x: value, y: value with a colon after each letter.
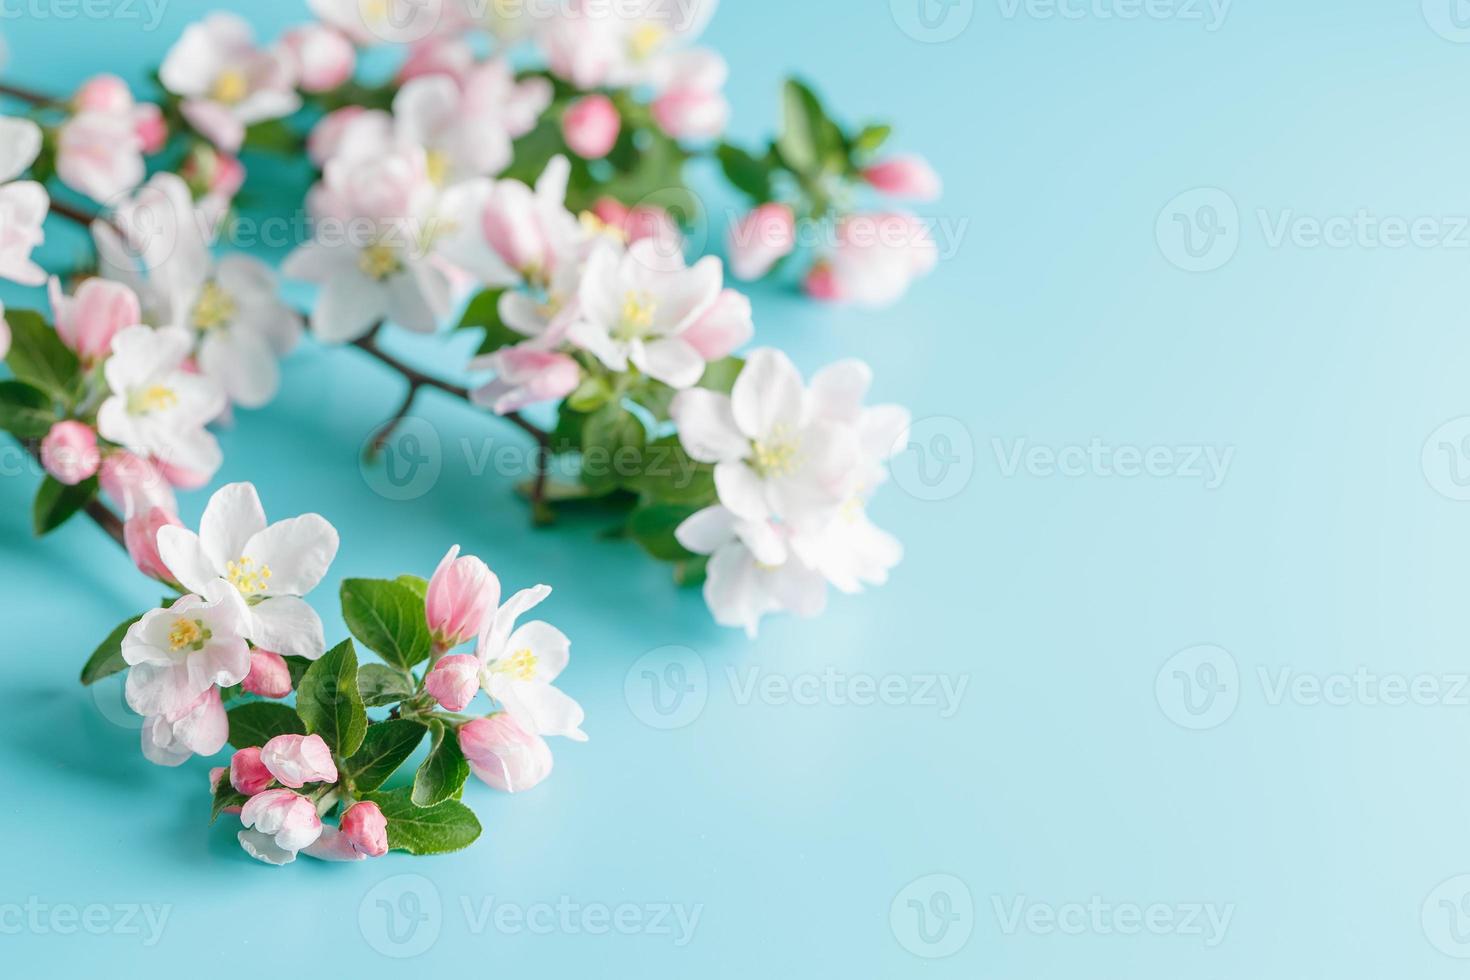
x: 594, y: 226
x: 215, y: 307
x: 245, y: 576
x: 645, y: 40
x: 637, y: 317
x: 520, y: 665
x: 437, y: 164
x: 778, y: 454
x: 186, y: 633
x: 155, y: 398
x: 379, y: 262
x: 230, y: 87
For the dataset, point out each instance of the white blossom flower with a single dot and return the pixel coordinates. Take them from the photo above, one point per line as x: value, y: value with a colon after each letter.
x: 633, y: 307
x: 227, y: 81
x: 519, y: 665
x: 157, y: 409
x: 271, y: 567
x: 23, y: 203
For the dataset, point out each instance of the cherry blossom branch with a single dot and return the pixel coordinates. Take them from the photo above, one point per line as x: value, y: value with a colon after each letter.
x: 29, y: 96
x: 101, y: 515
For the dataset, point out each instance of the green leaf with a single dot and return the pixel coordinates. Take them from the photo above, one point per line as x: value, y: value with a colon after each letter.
x: 385, y: 747
x: 298, y: 666
x: 449, y: 826
x: 443, y: 773
x: 593, y: 393
x: 671, y: 476
x: 258, y: 722
x: 39, y: 358
x: 612, y: 447
x: 387, y: 618
x: 720, y: 375
x: 107, y: 659
x: 807, y: 137
x: 691, y: 573
x: 483, y: 312
x: 25, y: 411
x: 870, y: 139
x: 56, y: 503
x: 273, y: 136
x: 329, y: 703
x: 653, y: 527
x: 750, y: 176
x: 380, y: 684
x: 567, y: 436
x: 225, y: 795
x: 414, y: 583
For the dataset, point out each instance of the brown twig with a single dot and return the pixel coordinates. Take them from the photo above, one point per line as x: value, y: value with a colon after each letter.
x: 73, y: 213
x: 32, y: 97
x: 418, y: 380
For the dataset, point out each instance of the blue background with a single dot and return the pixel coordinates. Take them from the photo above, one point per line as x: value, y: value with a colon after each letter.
x: 1057, y: 318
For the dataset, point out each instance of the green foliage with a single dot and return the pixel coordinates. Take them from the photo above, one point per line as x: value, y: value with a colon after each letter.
x: 39, y: 358
x: 107, y: 659
x: 443, y: 773
x: 258, y: 722
x: 385, y: 747
x: 329, y: 702
x: 25, y: 410
x: 56, y: 503
x: 653, y: 525
x: 440, y: 829
x: 750, y: 176
x: 380, y: 684
x: 387, y: 618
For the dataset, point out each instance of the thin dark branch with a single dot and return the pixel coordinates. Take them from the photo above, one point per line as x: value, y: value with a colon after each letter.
x: 30, y: 96
x: 103, y: 517
x: 391, y: 426
x: 73, y: 213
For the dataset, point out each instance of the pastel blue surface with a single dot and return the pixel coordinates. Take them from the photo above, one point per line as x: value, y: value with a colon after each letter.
x: 1070, y: 796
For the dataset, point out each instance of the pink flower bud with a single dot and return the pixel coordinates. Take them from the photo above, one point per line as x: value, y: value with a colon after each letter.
x: 140, y: 533
x: 591, y: 126
x: 525, y: 376
x: 761, y: 239
x: 454, y: 681
x: 691, y: 114
x: 89, y: 320
x: 247, y: 773
x: 366, y: 829
x: 278, y: 824
x: 150, y: 127
x: 269, y: 676
x: 905, y: 176
x: 322, y: 57
x: 724, y: 328
x: 462, y: 593
x: 136, y: 484
x: 69, y: 452
x: 822, y: 284
x: 296, y: 760
x: 104, y: 93
x: 503, y: 754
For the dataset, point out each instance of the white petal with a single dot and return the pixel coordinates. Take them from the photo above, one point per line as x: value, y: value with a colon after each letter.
x: 263, y: 847
x: 184, y: 555
x: 838, y: 389
x: 673, y: 362
x: 707, y: 531
x: 20, y: 143
x: 542, y: 709
x: 742, y: 491
x: 706, y: 426
x: 767, y: 393
x: 547, y: 644
x: 299, y: 551
x: 288, y: 626
x: 232, y: 517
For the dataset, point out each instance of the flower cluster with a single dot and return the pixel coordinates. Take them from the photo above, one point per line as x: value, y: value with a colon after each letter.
x: 213, y: 667
x: 518, y: 171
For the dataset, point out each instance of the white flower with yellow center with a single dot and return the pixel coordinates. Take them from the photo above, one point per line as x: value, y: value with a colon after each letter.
x: 519, y: 664
x: 179, y: 654
x: 157, y: 409
x: 269, y: 568
x: 634, y: 307
x: 777, y: 458
x: 226, y: 81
